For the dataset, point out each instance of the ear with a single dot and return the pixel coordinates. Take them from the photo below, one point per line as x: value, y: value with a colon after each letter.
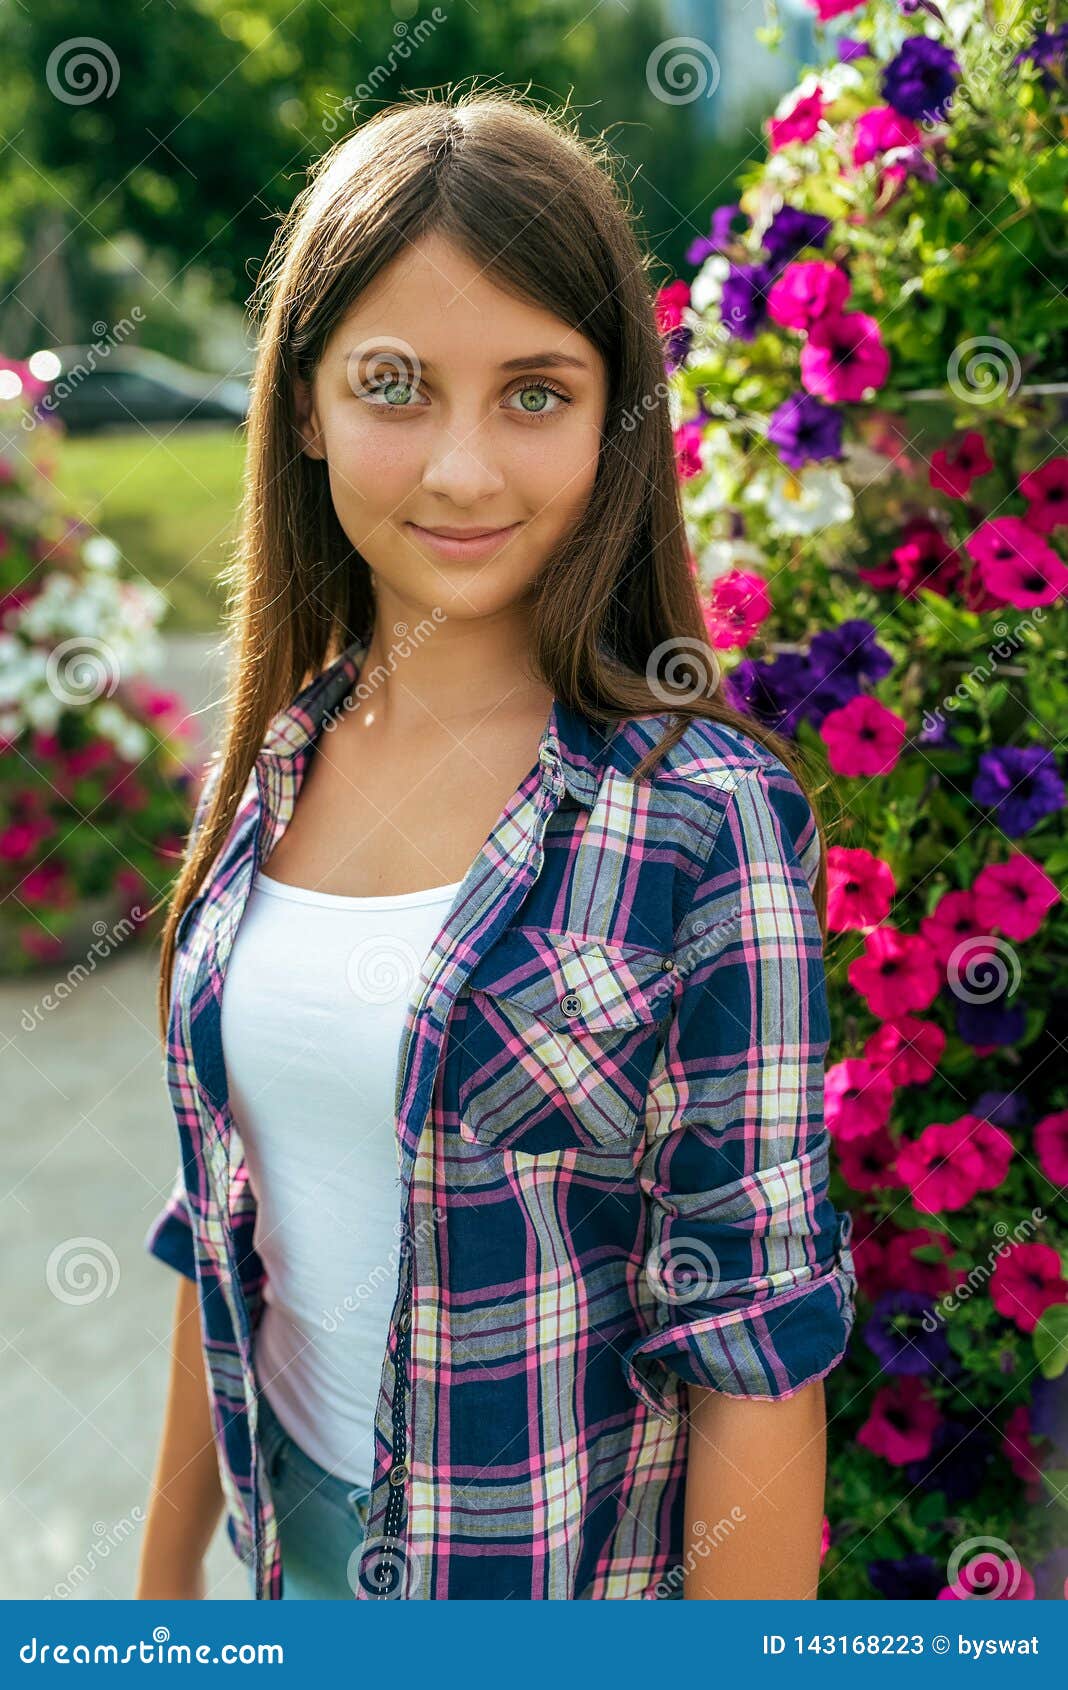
x: 307, y: 419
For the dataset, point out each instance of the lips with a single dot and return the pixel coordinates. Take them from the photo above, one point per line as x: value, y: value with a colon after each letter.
x: 462, y: 544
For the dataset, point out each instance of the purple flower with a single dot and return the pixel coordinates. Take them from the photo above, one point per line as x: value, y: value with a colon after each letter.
x: 1020, y: 784
x: 852, y: 650
x: 790, y: 231
x: 774, y: 693
x: 720, y: 236
x: 993, y: 1023
x: 919, y: 82
x: 957, y: 1463
x: 1003, y: 1108
x: 897, y: 1337
x: 804, y: 430
x: 911, y: 1578
x: 1046, y: 53
x: 676, y: 346
x: 1049, y: 1410
x: 744, y: 301
x: 848, y: 50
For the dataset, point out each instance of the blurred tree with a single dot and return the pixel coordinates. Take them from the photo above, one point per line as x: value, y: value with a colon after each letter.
x: 189, y: 125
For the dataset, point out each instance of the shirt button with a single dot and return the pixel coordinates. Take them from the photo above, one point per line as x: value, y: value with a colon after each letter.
x: 398, y: 1474
x: 571, y: 1004
x: 667, y: 962
x: 404, y: 1321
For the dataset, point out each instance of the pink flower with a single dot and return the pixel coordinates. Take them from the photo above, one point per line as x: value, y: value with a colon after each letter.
x: 909, y: 1049
x: 902, y: 1422
x: 1014, y: 898
x: 669, y: 305
x: 868, y: 1163
x: 952, y: 921
x: 825, y: 1537
x: 800, y: 122
x: 991, y: 1576
x: 896, y: 973
x: 688, y: 450
x: 844, y: 357
x: 995, y: 1148
x: 943, y: 1168
x: 806, y: 292
x: 826, y: 9
x: 860, y: 889
x: 863, y: 737
x: 954, y: 470
x: 857, y: 1098
x: 1027, y: 1279
x: 880, y: 129
x: 907, y: 1272
x: 739, y: 603
x: 1051, y: 1146
x: 1046, y: 490
x: 923, y: 559
x: 1016, y: 566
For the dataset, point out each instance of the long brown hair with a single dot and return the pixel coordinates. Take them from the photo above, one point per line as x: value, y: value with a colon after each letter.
x: 539, y: 207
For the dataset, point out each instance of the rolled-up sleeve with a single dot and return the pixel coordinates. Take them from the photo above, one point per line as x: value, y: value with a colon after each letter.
x: 170, y: 1237
x: 748, y: 1276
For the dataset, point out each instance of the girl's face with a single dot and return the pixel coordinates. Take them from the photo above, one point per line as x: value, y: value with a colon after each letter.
x: 442, y: 402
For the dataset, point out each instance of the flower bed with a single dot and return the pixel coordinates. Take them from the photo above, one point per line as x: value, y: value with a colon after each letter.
x: 868, y: 375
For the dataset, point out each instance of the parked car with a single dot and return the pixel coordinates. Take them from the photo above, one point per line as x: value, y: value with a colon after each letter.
x: 126, y: 386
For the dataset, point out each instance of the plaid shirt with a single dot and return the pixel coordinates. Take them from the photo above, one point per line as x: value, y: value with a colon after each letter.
x: 612, y: 1162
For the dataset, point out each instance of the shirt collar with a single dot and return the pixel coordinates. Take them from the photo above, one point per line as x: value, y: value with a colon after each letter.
x: 571, y: 743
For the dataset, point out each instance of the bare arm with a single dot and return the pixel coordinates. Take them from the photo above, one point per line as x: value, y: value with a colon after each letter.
x: 755, y: 1479
x: 186, y: 1497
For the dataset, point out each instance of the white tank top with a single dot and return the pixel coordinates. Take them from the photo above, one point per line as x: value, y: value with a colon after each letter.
x: 314, y: 1001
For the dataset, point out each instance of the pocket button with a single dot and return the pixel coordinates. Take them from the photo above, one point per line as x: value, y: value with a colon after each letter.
x: 571, y: 1004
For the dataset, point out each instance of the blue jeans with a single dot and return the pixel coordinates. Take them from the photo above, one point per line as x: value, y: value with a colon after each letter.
x: 321, y: 1518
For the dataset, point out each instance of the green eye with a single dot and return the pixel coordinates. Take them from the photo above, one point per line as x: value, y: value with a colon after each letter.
x: 394, y: 391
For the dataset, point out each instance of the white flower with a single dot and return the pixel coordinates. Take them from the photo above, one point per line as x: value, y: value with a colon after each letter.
x: 803, y: 503
x: 100, y: 553
x: 707, y: 286
x: 720, y: 556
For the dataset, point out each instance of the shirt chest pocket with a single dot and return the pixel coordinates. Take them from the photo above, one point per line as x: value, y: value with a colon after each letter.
x: 559, y: 1040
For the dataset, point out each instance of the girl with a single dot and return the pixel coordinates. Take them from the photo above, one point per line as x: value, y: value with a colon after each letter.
x: 492, y: 983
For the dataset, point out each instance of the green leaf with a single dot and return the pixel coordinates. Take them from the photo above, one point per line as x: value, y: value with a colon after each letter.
x: 1050, y: 1338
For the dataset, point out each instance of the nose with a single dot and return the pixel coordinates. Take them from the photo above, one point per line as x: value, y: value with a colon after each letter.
x: 461, y: 471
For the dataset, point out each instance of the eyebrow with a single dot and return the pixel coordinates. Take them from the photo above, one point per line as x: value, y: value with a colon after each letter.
x: 528, y: 361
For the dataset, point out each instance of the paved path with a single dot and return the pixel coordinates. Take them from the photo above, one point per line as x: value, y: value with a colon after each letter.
x: 90, y: 1153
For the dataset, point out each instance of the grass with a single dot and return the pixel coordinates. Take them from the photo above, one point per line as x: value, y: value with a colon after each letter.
x: 169, y: 501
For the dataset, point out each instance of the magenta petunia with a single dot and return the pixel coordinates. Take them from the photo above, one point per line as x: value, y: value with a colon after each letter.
x: 908, y: 1272
x: 995, y: 1148
x: 1016, y: 566
x: 857, y: 1098
x: 879, y: 130
x: 952, y: 921
x: 923, y: 559
x: 1027, y: 1279
x: 738, y: 604
x: 943, y: 1168
x: 896, y: 973
x: 1046, y: 490
x: 827, y: 9
x: 799, y: 124
x: 844, y: 357
x: 1051, y: 1146
x: 902, y: 1421
x: 954, y: 468
x: 860, y: 889
x: 910, y: 1049
x: 869, y: 1163
x: 807, y: 292
x: 688, y: 450
x: 993, y: 1576
x: 670, y: 302
x: 1015, y: 897
x: 863, y: 737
